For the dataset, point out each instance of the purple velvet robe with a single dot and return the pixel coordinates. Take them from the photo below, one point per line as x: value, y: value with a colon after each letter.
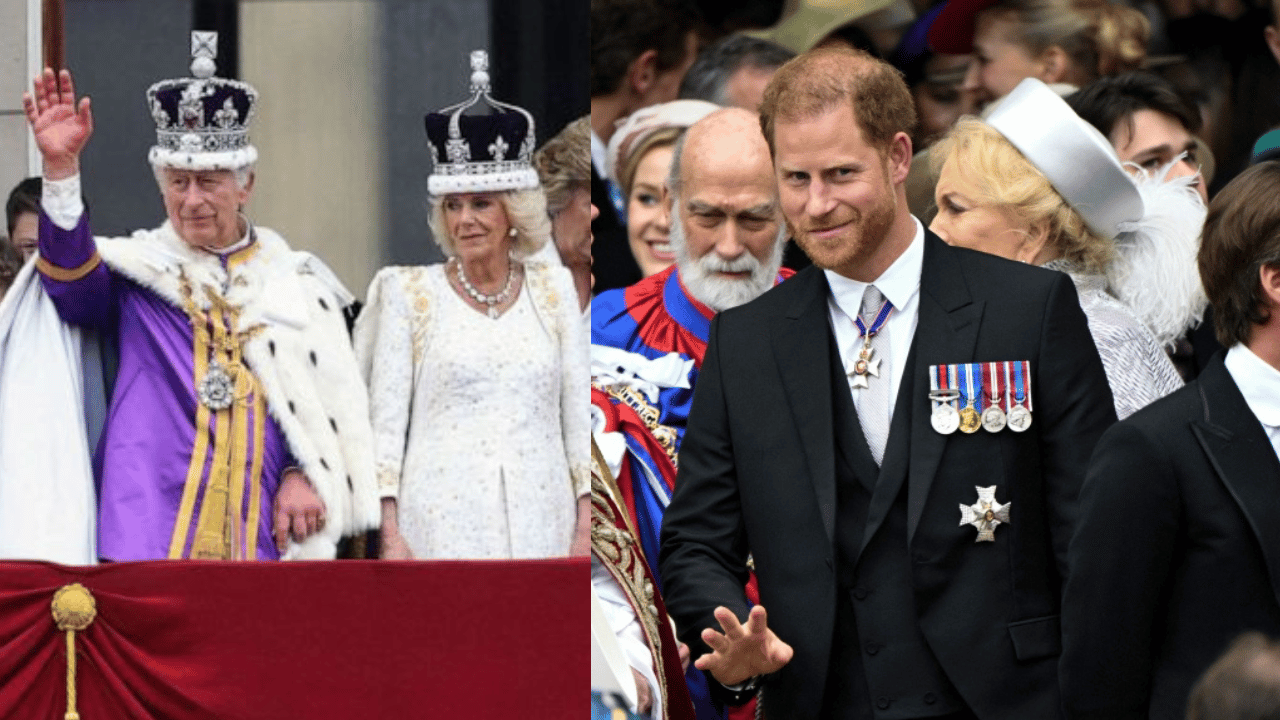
x: 144, y: 456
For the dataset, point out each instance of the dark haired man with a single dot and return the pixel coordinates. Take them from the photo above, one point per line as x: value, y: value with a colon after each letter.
x: 898, y: 582
x: 1178, y: 545
x: 640, y: 50
x: 1147, y: 123
x: 1153, y: 131
x: 734, y: 71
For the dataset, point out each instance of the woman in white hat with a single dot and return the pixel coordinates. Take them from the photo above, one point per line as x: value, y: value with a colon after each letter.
x: 1036, y: 184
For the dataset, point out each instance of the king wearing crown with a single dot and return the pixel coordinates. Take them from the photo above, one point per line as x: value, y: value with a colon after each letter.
x: 238, y: 427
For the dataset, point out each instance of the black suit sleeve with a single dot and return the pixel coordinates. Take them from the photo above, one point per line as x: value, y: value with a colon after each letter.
x: 704, y: 549
x: 1120, y: 561
x: 1075, y: 409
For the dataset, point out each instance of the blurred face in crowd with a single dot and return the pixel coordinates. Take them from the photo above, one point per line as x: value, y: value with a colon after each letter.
x: 838, y: 192
x: 25, y: 233
x: 204, y: 205
x: 1152, y: 140
x: 745, y: 88
x: 648, y: 223
x: 940, y: 98
x: 966, y: 218
x: 728, y: 232
x: 478, y: 224
x: 571, y: 227
x: 999, y: 61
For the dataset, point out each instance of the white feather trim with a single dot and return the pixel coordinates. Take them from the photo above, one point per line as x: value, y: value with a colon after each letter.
x: 1156, y: 273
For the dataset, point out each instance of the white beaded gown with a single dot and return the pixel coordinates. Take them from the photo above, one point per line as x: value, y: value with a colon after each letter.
x: 481, y: 424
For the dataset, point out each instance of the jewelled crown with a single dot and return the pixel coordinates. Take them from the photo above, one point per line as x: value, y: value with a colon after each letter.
x: 202, y: 122
x: 481, y: 152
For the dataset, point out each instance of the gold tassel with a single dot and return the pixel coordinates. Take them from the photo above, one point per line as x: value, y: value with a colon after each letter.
x: 73, y: 610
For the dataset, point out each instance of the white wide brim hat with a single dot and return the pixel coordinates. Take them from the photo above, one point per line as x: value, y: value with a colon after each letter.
x: 1076, y: 159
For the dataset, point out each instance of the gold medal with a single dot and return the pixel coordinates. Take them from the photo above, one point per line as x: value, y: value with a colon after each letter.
x: 969, y: 420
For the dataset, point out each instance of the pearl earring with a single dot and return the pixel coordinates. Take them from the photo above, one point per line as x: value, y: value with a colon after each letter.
x: 512, y: 232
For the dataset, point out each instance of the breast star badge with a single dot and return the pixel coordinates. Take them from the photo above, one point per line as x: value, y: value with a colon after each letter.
x: 985, y: 514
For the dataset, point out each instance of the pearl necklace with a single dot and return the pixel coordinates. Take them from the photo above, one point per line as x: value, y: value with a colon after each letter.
x: 492, y: 301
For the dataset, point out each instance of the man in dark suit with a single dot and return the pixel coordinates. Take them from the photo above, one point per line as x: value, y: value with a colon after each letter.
x: 1178, y: 549
x: 813, y: 448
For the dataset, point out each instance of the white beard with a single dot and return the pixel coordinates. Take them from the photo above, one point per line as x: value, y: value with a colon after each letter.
x: 1156, y: 273
x: 702, y: 279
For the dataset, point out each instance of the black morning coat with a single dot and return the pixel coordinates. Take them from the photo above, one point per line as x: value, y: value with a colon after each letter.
x: 757, y: 475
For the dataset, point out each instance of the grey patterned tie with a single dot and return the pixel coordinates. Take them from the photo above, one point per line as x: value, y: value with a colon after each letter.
x: 873, y: 403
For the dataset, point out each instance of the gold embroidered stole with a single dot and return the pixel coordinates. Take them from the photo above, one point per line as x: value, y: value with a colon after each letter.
x: 223, y: 433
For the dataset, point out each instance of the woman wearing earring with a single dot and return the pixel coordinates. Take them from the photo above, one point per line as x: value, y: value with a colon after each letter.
x: 1036, y: 184
x: 477, y: 367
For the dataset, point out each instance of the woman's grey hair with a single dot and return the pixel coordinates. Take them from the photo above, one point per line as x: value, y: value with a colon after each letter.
x: 526, y: 211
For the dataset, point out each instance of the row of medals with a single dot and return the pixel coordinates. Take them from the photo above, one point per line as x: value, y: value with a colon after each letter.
x: 946, y: 419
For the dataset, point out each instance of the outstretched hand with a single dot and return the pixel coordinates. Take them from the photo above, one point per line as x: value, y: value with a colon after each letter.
x: 61, y: 128
x: 743, y: 651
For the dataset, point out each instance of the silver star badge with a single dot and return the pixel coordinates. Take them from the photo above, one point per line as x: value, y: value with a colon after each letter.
x: 985, y: 514
x: 865, y: 367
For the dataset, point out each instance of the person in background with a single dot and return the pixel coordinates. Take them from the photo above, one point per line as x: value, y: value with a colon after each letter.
x: 733, y: 71
x: 640, y: 51
x: 1036, y: 184
x: 935, y: 80
x: 648, y: 340
x: 1178, y: 543
x: 1243, y: 684
x: 638, y: 161
x: 1063, y: 43
x: 1153, y: 133
x: 10, y: 263
x: 22, y: 215
x: 564, y: 168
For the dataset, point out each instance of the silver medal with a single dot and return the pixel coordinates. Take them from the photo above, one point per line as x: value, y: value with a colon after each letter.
x: 993, y: 419
x: 945, y: 419
x: 1019, y: 418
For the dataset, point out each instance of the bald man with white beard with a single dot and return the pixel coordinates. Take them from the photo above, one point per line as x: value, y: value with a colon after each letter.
x: 648, y: 340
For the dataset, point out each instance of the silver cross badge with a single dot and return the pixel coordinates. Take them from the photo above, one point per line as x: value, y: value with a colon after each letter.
x: 985, y: 514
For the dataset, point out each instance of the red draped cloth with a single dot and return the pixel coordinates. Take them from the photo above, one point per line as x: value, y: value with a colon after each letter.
x: 347, y: 639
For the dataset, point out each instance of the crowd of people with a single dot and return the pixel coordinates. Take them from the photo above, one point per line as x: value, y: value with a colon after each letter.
x: 1000, y: 255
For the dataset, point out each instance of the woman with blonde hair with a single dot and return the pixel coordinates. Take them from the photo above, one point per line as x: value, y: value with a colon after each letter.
x: 477, y: 367
x: 637, y: 160
x: 1036, y: 184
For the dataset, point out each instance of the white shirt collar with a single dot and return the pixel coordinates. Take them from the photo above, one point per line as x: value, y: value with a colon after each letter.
x: 1258, y: 381
x: 240, y: 244
x: 899, y: 283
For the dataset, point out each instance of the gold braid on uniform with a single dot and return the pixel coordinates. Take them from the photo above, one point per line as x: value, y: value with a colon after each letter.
x: 649, y: 414
x: 621, y: 554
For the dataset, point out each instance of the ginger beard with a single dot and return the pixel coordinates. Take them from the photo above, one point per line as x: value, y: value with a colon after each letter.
x: 858, y: 239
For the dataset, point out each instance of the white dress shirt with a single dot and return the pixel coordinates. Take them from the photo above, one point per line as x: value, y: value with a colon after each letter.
x: 900, y: 284
x: 1259, y: 382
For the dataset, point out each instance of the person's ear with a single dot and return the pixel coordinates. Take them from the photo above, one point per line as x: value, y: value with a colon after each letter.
x: 642, y: 72
x: 1034, y: 249
x: 1055, y: 65
x: 899, y: 158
